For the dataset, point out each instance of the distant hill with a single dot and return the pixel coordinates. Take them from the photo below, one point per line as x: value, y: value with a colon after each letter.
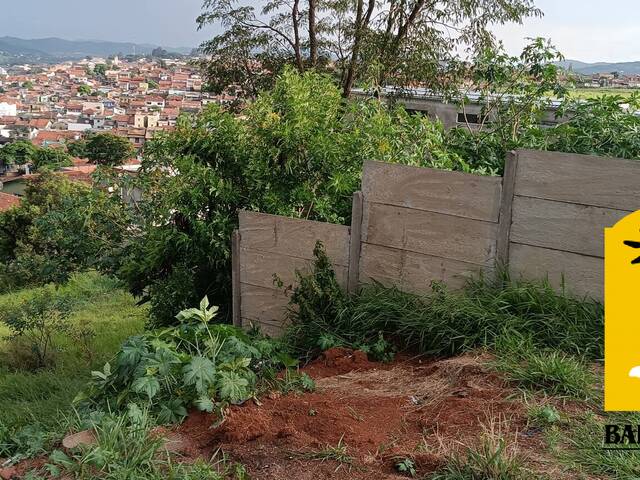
x: 631, y: 68
x: 56, y: 49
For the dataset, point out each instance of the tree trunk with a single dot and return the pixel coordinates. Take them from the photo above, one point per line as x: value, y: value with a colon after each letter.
x: 313, y: 40
x: 361, y: 23
x: 295, y: 15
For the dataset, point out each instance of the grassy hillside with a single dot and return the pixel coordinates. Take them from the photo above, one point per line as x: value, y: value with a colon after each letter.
x: 41, y: 399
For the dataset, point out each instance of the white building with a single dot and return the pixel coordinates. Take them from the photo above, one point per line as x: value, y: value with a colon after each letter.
x: 8, y: 110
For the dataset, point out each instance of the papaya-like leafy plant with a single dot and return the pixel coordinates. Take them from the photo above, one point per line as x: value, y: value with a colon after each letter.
x: 196, y: 364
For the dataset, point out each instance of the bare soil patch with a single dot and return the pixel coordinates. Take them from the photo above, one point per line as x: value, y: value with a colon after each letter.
x: 422, y: 410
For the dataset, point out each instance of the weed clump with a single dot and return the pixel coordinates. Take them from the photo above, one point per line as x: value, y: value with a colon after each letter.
x: 444, y: 322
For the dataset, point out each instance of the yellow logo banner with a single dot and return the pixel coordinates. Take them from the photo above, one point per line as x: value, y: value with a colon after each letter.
x: 622, y: 315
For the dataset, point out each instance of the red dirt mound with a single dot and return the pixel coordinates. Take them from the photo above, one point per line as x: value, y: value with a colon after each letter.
x: 378, y: 413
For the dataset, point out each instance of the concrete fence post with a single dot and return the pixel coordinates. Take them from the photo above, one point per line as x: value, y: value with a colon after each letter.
x: 355, y: 243
x: 506, y: 208
x: 235, y: 278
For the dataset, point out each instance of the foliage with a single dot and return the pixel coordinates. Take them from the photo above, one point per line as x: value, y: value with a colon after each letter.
x: 389, y: 42
x: 318, y: 304
x: 60, y: 227
x: 127, y: 448
x: 35, y: 405
x: 543, y: 416
x: 550, y: 371
x: 100, y: 70
x: 605, y: 126
x: 23, y: 443
x: 195, y: 364
x: 51, y: 158
x: 490, y: 460
x: 444, y: 322
x: 297, y: 151
x: 338, y: 453
x: 24, y: 152
x: 84, y: 90
x: 515, y: 99
x: 406, y: 466
x: 510, y: 96
x: 108, y: 149
x: 78, y: 148
x: 20, y: 152
x: 37, y: 321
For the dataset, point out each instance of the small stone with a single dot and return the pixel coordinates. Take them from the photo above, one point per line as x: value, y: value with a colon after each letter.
x: 84, y: 438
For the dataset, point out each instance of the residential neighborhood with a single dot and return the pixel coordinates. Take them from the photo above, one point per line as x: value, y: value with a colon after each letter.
x: 54, y: 105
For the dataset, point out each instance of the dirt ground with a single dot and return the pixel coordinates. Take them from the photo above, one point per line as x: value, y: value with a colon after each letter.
x: 381, y: 413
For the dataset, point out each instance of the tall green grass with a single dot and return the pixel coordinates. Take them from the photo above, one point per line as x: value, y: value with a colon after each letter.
x: 446, y: 322
x: 33, y: 404
x: 127, y: 448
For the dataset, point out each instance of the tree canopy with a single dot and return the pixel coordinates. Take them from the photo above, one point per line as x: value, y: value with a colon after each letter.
x: 60, y: 227
x: 20, y: 152
x: 373, y: 42
x: 105, y: 149
x: 52, y: 159
x: 84, y: 90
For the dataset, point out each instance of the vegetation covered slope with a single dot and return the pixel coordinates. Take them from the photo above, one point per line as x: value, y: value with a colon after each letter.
x: 36, y: 403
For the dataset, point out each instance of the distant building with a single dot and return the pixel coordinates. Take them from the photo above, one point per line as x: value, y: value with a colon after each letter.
x: 8, y: 110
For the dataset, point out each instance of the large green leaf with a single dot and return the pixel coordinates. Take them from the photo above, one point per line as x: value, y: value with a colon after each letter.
x: 204, y: 404
x: 172, y: 411
x: 147, y: 384
x: 200, y: 372
x: 232, y: 387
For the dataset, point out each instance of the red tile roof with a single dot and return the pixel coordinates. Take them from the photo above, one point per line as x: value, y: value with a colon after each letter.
x: 8, y: 201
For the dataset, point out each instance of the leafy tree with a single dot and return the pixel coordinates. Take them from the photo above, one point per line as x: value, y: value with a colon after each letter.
x: 84, y: 90
x: 37, y: 323
x: 393, y: 41
x: 78, y: 148
x: 108, y: 149
x: 20, y: 152
x: 28, y: 85
x: 100, y: 70
x: 52, y: 158
x: 159, y: 52
x: 298, y: 151
x: 605, y: 126
x: 153, y: 84
x: 509, y: 96
x: 517, y: 93
x: 60, y: 227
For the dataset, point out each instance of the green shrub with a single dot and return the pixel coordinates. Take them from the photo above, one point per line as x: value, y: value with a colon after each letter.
x: 36, y: 322
x: 320, y: 315
x: 297, y: 151
x: 194, y: 364
x: 59, y: 228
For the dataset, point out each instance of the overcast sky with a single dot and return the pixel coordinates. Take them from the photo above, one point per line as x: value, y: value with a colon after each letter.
x: 588, y: 30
